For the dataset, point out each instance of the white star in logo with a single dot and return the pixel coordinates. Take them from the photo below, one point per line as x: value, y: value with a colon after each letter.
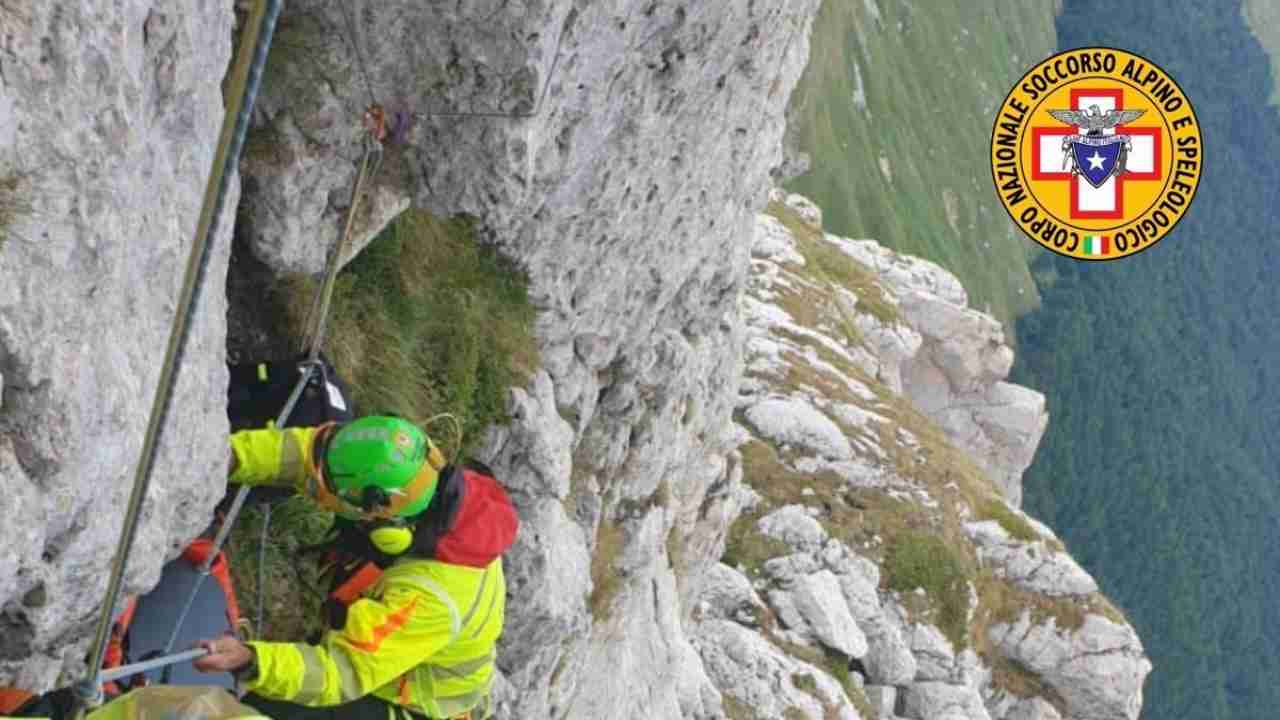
x: 1095, y: 161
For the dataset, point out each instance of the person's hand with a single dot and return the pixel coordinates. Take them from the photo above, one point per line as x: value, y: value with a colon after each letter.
x: 226, y: 654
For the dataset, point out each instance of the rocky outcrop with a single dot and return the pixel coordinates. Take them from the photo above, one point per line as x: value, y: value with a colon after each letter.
x: 844, y: 468
x: 1031, y: 566
x: 1097, y: 669
x: 109, y: 114
x: 958, y: 376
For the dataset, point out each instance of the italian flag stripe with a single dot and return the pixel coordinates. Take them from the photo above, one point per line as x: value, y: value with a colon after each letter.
x: 1097, y: 245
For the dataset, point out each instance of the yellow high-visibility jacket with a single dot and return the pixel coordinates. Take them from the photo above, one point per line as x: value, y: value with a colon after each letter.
x: 423, y: 636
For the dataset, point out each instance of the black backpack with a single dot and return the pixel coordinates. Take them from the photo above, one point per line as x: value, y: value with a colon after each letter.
x: 257, y: 392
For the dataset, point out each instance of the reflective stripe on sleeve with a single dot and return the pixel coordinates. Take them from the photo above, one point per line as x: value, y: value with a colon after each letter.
x: 427, y: 585
x: 484, y: 582
x: 462, y: 669
x: 451, y: 705
x: 290, y: 457
x: 493, y: 600
x: 312, y: 676
x: 348, y: 685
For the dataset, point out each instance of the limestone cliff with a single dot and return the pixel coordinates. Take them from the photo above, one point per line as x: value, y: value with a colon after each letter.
x: 109, y: 113
x: 878, y: 570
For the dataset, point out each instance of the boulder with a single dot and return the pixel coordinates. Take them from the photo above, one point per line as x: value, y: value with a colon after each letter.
x: 820, y: 602
x: 941, y: 701
x: 773, y: 242
x: 955, y: 372
x: 794, y: 526
x: 727, y: 594
x: 796, y: 423
x: 883, y: 699
x: 889, y: 660
x: 1098, y: 670
x: 757, y: 674
x: 808, y: 212
x: 935, y: 656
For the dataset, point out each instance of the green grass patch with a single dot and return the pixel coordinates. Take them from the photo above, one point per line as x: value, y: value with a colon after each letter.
x: 735, y: 709
x: 14, y: 203
x: 294, y: 590
x: 1002, y: 602
x: 1016, y: 679
x: 924, y: 560
x: 605, y: 580
x: 1013, y: 523
x: 826, y: 264
x: 427, y: 321
x: 808, y: 684
x: 912, y: 88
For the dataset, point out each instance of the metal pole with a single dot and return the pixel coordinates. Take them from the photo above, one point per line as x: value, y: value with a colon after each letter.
x: 245, y: 79
x: 125, y: 671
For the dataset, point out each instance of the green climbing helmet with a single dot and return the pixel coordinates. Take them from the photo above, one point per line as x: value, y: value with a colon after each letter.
x: 381, y: 466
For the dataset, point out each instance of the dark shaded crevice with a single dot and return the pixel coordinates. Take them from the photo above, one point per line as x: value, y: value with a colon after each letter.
x: 256, y: 318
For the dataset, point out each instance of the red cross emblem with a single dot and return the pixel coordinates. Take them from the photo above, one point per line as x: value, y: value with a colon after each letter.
x: 1087, y: 202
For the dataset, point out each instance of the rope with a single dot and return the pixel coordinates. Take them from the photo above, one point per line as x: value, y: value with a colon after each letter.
x: 457, y: 431
x: 314, y: 337
x: 245, y: 81
x: 262, y: 569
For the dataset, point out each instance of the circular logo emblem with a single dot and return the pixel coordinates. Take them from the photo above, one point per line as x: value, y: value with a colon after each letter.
x: 1096, y: 153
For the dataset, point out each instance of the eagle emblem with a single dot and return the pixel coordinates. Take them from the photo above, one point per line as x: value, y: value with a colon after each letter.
x: 1093, y: 155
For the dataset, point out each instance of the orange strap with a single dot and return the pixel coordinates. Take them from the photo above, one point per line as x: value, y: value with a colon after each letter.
x: 196, y: 553
x: 12, y: 698
x: 361, y: 579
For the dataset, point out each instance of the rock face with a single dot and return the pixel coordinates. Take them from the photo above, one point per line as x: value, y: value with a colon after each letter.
x: 815, y: 559
x: 1031, y: 566
x: 1097, y: 669
x: 957, y: 378
x: 109, y: 114
x: 627, y: 188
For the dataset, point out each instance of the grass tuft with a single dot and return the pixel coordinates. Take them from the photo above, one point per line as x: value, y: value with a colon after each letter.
x: 829, y: 265
x: 294, y: 590
x: 924, y: 560
x: 735, y: 709
x: 606, y: 582
x: 1013, y: 523
x: 426, y: 321
x: 13, y: 203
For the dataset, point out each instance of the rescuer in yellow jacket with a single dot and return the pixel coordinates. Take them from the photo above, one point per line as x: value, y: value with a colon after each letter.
x: 419, y: 611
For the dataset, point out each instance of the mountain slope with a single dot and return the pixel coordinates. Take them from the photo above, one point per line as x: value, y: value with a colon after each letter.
x: 895, y: 112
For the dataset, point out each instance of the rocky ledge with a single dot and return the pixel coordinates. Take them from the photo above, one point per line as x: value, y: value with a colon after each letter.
x: 877, y: 571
